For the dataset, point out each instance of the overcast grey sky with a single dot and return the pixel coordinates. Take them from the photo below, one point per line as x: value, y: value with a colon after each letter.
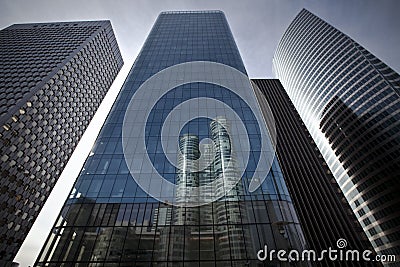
x: 257, y: 27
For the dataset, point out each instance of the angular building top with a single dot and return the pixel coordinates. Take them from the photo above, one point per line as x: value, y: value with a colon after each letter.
x: 349, y: 101
x: 53, y: 77
x: 32, y: 53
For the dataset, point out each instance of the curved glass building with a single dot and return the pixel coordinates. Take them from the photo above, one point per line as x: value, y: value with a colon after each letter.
x: 349, y: 101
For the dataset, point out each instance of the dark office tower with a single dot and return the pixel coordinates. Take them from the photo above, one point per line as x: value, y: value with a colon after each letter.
x: 169, y: 176
x: 53, y: 77
x: 349, y: 100
x: 323, y: 211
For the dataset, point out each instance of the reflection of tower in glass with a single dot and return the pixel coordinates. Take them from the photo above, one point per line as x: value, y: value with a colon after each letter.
x: 230, y: 231
x: 182, y: 242
x: 187, y: 180
x: 206, y: 178
x: 187, y: 177
x: 224, y: 162
x: 213, y: 228
x: 206, y: 216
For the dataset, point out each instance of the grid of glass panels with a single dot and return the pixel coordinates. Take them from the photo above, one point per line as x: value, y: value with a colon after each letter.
x: 109, y: 220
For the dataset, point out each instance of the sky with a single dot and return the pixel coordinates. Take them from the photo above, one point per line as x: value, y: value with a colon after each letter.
x: 256, y: 25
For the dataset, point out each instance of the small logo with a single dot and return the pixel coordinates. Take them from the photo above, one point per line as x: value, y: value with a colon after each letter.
x: 341, y: 243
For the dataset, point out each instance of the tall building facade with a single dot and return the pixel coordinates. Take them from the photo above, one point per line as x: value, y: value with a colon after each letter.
x: 190, y: 85
x: 53, y: 77
x: 349, y: 100
x: 323, y: 211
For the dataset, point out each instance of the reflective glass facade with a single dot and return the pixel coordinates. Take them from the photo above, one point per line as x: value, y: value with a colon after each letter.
x: 111, y: 220
x: 349, y: 101
x: 53, y: 77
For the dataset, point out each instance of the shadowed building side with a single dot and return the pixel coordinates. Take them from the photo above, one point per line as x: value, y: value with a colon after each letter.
x: 323, y: 211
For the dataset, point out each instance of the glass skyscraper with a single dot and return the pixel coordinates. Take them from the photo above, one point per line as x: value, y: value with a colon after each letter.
x: 349, y: 100
x: 183, y: 171
x: 53, y: 77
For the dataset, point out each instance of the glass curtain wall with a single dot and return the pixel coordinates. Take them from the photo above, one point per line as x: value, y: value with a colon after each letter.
x: 109, y: 220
